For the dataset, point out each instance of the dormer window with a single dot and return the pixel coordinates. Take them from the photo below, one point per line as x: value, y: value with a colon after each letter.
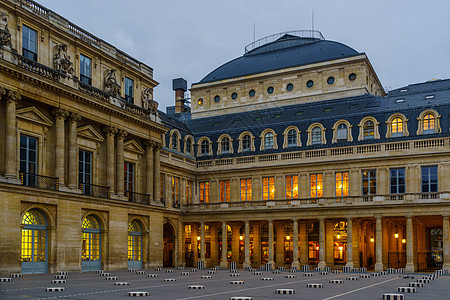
x: 174, y: 141
x: 342, y: 132
x: 246, y: 143
x: 268, y: 141
x: 188, y: 146
x: 129, y: 83
x: 204, y: 147
x: 397, y: 127
x: 316, y: 136
x: 225, y: 145
x: 428, y: 124
x: 292, y: 138
x: 369, y: 130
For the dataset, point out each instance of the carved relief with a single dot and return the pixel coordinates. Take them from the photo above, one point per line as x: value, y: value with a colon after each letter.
x: 147, y: 101
x: 61, y: 59
x: 111, y: 85
x: 5, y: 36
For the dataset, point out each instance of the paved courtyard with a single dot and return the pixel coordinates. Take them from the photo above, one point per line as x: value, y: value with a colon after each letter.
x: 91, y: 285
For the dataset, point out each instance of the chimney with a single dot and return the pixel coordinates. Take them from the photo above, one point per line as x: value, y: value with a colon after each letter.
x: 179, y: 85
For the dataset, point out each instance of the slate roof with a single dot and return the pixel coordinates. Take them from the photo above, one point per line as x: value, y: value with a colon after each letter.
x: 286, y: 52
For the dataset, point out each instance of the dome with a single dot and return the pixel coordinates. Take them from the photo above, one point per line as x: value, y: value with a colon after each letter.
x: 286, y: 51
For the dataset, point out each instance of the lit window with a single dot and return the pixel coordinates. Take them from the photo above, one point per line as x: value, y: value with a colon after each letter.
x: 225, y: 145
x: 342, y: 132
x: 200, y: 101
x: 246, y: 189
x: 397, y: 127
x: 429, y: 123
x: 268, y: 188
x: 129, y: 90
x: 342, y: 184
x: 189, y: 192
x: 292, y: 138
x: 204, y: 192
x: 175, y: 191
x: 316, y: 136
x: 204, y: 147
x: 246, y: 143
x: 268, y: 141
x: 369, y: 130
x: 29, y: 43
x: 316, y: 185
x: 134, y: 241
x: 291, y: 187
x: 224, y: 190
x: 85, y: 70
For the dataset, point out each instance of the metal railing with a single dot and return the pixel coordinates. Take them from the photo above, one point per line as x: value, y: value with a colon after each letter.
x: 137, y: 197
x: 94, y: 190
x: 271, y: 38
x: 429, y: 261
x: 39, y: 181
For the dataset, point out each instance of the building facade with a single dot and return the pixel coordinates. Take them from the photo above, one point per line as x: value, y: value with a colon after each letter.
x: 290, y: 155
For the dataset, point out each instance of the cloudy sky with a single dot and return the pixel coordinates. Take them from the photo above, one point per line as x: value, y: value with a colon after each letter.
x: 406, y: 41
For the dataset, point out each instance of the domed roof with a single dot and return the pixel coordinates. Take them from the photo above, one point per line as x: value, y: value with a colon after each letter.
x: 285, y: 52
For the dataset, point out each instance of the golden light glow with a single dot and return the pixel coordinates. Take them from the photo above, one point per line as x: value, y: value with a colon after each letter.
x: 372, y: 239
x: 241, y: 237
x: 338, y: 236
x: 288, y: 237
x: 403, y: 241
x: 341, y: 248
x: 198, y: 238
x: 396, y: 235
x: 317, y: 247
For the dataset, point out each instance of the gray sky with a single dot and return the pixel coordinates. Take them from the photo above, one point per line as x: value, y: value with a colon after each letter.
x: 406, y: 41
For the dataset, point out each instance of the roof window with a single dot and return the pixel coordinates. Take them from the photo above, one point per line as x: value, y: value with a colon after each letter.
x: 252, y: 93
x: 258, y: 119
x: 217, y: 98
x: 277, y: 116
x: 299, y: 113
x: 353, y: 106
x: 327, y: 109
x: 270, y: 90
x: 373, y: 104
x: 399, y: 100
x: 403, y: 90
x: 216, y: 124
x: 429, y: 97
x: 234, y: 96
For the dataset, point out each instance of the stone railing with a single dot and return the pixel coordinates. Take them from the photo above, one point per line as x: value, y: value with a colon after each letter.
x: 323, y: 201
x: 38, y: 68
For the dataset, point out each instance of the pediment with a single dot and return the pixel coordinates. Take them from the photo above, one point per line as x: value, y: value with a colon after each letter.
x: 133, y: 146
x: 34, y: 115
x: 89, y: 132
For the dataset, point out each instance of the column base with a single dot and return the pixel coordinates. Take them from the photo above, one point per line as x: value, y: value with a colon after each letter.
x: 295, y: 265
x: 409, y: 268
x: 10, y: 179
x: 322, y: 264
x: 64, y: 188
x: 349, y: 264
x: 224, y: 265
x: 246, y: 264
x: 273, y: 264
x: 379, y: 267
x: 446, y: 267
x: 74, y: 189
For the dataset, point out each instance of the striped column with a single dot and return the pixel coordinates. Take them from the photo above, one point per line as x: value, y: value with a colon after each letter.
x: 322, y: 262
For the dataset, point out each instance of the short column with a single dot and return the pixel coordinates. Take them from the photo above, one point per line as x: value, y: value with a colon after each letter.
x: 61, y: 114
x: 349, y: 243
x: 446, y: 242
x: 10, y: 134
x: 322, y: 262
x: 379, y: 266
x: 110, y: 132
x: 247, y: 245
x: 73, y: 161
x: 409, y: 245
x: 156, y: 171
x: 121, y: 134
x: 202, y: 243
x: 271, y: 261
x: 295, y: 263
x: 224, y: 263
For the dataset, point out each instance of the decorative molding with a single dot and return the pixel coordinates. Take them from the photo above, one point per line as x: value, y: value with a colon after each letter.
x: 34, y: 115
x: 133, y: 146
x: 61, y: 60
x: 89, y: 132
x: 111, y: 85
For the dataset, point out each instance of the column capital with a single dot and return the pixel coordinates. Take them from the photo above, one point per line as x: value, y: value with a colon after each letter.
x: 148, y: 144
x: 121, y: 133
x: 2, y: 91
x: 12, y: 96
x: 157, y: 145
x: 59, y: 112
x: 110, y: 130
x: 74, y: 117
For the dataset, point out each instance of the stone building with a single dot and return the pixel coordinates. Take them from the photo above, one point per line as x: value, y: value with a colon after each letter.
x: 290, y: 155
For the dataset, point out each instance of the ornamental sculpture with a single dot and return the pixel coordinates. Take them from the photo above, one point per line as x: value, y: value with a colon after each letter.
x: 5, y: 36
x: 61, y: 59
x: 111, y: 85
x: 147, y: 101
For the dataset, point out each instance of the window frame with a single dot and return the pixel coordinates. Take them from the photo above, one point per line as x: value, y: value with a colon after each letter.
x: 394, y: 175
x: 344, y: 188
x: 247, y: 188
x: 28, y: 52
x: 129, y: 97
x: 204, y: 192
x: 432, y: 187
x: 294, y: 188
x: 82, y: 170
x: 367, y: 190
x: 83, y: 68
x: 315, y: 186
x: 224, y: 191
x: 268, y: 188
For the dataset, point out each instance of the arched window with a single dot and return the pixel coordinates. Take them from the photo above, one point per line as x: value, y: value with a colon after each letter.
x: 225, y: 145
x: 174, y: 141
x: 342, y: 132
x: 397, y: 127
x: 188, y: 146
x: 34, y: 242
x: 292, y: 138
x: 246, y: 143
x: 268, y: 140
x: 134, y: 245
x: 429, y: 124
x: 316, y: 136
x: 204, y: 147
x: 369, y: 130
x: 90, y: 244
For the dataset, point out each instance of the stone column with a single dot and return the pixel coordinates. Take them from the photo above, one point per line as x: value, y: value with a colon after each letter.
x: 409, y: 246
x: 110, y: 132
x: 10, y: 133
x: 121, y: 134
x: 156, y: 168
x: 379, y: 266
x: 446, y: 242
x: 73, y: 155
x: 349, y: 243
x: 247, y: 245
x: 61, y: 114
x: 322, y: 262
x: 202, y: 243
x: 271, y: 261
x: 303, y: 243
x: 149, y: 168
x: 295, y: 263
x: 224, y: 263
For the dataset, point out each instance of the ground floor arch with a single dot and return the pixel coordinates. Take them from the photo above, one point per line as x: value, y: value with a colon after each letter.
x: 34, y: 242
x: 168, y: 245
